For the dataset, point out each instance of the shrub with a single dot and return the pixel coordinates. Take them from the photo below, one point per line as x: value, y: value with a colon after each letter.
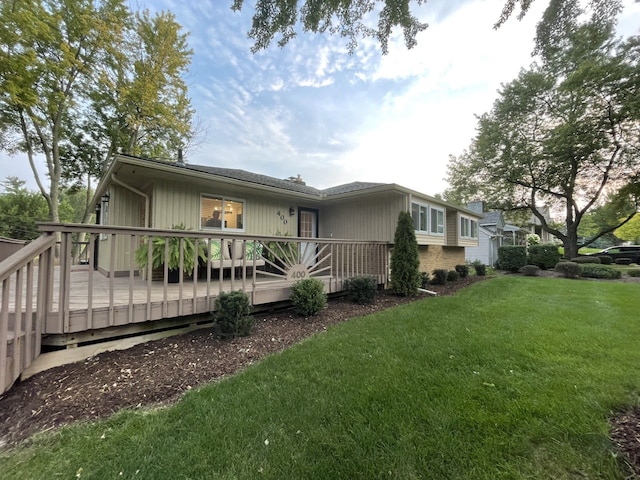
x: 463, y: 270
x: 530, y: 270
x: 405, y: 262
x: 512, y: 257
x: 308, y: 296
x: 452, y: 276
x: 586, y: 259
x: 361, y: 290
x: 623, y: 261
x: 439, y: 276
x: 605, y: 259
x: 544, y: 256
x: 232, y: 314
x: 425, y: 279
x: 600, y: 271
x: 569, y: 269
x: 533, y: 239
x: 634, y: 273
x: 480, y: 268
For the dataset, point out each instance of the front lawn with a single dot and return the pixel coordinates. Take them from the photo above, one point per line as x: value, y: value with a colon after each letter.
x: 514, y: 377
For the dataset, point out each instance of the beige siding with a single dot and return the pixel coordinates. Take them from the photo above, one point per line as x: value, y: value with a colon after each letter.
x: 373, y: 219
x: 452, y: 228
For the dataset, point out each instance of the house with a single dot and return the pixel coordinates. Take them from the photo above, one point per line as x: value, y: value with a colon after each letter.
x: 490, y: 236
x: 140, y: 192
x: 535, y: 226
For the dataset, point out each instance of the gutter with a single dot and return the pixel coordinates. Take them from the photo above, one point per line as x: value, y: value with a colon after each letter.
x: 117, y: 181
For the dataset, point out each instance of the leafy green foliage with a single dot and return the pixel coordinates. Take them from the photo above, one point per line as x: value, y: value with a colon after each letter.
x: 189, y: 254
x: 530, y: 270
x: 20, y: 210
x: 405, y: 262
x: 605, y: 259
x: 463, y: 270
x: 569, y: 269
x: 634, y: 272
x: 440, y: 276
x: 361, y: 290
x: 544, y: 256
x: 308, y: 296
x: 630, y: 231
x: 587, y: 259
x: 600, y: 271
x: 279, y: 18
x: 623, y: 261
x: 424, y: 277
x: 453, y: 276
x: 232, y: 314
x: 512, y: 257
x: 480, y: 268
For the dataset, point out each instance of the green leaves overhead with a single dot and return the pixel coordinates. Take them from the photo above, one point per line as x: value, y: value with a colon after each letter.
x: 350, y: 19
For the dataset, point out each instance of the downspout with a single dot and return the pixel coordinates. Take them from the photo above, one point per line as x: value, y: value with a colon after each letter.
x: 117, y: 181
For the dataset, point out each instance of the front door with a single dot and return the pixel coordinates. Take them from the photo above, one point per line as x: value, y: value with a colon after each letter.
x: 308, y: 228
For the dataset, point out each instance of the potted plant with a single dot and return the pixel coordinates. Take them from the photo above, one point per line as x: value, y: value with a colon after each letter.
x: 173, y: 257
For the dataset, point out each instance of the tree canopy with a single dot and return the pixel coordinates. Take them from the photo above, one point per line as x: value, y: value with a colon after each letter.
x: 563, y: 134
x: 80, y: 79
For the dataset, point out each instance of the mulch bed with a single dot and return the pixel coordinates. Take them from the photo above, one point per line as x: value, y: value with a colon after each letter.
x: 156, y: 373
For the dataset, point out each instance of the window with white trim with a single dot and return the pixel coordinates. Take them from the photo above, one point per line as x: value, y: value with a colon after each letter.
x: 437, y: 221
x: 221, y: 213
x: 419, y: 213
x: 468, y: 227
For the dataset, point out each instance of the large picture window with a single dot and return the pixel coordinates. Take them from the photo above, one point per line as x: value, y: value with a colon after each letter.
x: 468, y: 228
x: 221, y: 213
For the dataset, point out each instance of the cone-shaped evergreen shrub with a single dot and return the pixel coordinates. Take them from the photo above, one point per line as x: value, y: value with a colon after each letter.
x: 405, y: 263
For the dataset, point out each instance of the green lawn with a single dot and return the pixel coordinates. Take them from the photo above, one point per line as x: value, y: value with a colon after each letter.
x: 514, y: 378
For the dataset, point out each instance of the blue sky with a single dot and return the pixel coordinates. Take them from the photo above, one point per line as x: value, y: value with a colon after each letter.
x: 312, y: 109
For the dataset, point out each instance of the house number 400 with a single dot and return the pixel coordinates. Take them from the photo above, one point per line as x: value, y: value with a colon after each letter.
x: 281, y: 217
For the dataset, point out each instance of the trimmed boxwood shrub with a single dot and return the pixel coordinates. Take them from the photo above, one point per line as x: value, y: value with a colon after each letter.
x: 634, y: 273
x: 439, y: 276
x: 512, y: 258
x: 361, y: 290
x: 231, y: 314
x: 605, y: 259
x: 308, y: 296
x: 544, y: 256
x: 623, y: 261
x: 463, y: 270
x: 480, y: 268
x: 587, y: 259
x: 569, y: 269
x: 600, y: 271
x: 530, y: 270
x: 452, y: 276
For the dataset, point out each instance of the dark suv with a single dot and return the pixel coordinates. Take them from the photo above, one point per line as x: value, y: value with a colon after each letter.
x: 626, y: 251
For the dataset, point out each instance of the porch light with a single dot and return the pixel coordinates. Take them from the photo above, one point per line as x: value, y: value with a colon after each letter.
x: 105, y: 198
x: 292, y: 211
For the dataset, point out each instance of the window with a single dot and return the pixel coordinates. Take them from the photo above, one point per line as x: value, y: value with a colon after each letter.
x: 437, y: 221
x: 419, y: 215
x: 468, y: 228
x: 221, y: 213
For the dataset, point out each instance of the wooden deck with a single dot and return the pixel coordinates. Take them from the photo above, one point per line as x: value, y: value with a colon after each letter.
x: 44, y: 300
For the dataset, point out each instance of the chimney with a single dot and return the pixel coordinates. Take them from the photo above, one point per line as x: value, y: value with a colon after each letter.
x: 476, y: 206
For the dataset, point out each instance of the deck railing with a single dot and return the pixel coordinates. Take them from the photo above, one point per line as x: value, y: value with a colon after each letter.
x: 45, y: 295
x: 25, y: 278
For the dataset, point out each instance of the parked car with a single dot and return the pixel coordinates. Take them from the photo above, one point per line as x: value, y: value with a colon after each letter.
x: 626, y: 251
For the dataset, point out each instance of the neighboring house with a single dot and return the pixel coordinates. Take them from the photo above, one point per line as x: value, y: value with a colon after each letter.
x: 514, y: 235
x: 535, y: 226
x: 140, y: 192
x: 9, y: 246
x: 490, y: 237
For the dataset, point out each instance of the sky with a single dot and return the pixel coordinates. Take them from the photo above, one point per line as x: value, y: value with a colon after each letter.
x: 312, y: 109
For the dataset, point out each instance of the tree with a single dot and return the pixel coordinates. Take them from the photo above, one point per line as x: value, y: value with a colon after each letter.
x: 630, y: 231
x: 352, y: 18
x: 405, y: 262
x: 82, y: 78
x: 20, y: 210
x: 562, y: 134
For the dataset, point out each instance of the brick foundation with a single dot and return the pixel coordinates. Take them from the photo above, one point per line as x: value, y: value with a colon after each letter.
x: 436, y: 256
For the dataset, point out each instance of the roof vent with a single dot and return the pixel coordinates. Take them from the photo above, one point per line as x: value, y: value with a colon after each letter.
x: 180, y: 159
